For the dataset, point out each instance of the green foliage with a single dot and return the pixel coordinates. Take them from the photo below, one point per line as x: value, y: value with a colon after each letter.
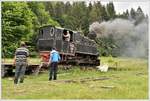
x: 95, y: 13
x: 20, y: 22
x: 43, y: 17
x: 98, y: 13
x: 76, y: 18
x: 16, y: 24
x: 111, y: 10
x: 106, y: 46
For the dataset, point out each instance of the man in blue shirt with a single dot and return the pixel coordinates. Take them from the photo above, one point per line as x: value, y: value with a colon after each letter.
x: 54, y: 59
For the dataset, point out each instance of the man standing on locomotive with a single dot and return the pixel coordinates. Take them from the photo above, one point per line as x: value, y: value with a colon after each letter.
x: 66, y: 36
x: 21, y: 63
x: 54, y: 59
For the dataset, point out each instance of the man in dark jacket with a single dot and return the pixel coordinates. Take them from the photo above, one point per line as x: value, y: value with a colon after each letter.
x: 54, y: 59
x: 21, y: 63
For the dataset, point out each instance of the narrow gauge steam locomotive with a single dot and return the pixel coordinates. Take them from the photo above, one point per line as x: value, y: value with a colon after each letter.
x: 79, y: 50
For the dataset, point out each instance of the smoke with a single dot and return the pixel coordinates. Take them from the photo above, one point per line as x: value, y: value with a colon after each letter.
x: 132, y: 40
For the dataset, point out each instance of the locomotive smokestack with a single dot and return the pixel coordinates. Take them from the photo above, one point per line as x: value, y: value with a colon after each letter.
x: 92, y: 35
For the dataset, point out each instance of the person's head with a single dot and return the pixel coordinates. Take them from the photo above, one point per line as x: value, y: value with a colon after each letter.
x: 65, y: 33
x: 53, y: 48
x: 22, y: 44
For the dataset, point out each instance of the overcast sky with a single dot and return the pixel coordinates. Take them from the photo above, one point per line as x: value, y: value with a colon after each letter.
x: 123, y: 5
x: 120, y: 5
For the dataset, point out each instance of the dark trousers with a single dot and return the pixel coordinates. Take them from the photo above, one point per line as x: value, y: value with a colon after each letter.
x: 53, y: 71
x: 19, y: 72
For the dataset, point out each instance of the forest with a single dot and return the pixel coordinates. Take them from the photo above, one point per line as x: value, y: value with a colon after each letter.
x: 21, y: 21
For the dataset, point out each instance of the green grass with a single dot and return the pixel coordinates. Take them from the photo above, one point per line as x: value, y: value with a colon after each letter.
x: 129, y: 81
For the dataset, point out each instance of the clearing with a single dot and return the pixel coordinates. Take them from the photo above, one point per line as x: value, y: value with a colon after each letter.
x: 126, y: 79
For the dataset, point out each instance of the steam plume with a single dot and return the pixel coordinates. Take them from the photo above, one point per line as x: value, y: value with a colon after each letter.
x: 132, y: 40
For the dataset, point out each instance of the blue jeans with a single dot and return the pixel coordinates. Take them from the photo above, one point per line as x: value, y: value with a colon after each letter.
x: 19, y: 72
x: 53, y: 71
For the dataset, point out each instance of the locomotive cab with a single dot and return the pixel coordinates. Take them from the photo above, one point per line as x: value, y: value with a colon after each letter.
x: 50, y: 36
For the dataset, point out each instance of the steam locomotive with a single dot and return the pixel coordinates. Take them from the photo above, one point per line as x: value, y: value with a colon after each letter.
x: 79, y: 50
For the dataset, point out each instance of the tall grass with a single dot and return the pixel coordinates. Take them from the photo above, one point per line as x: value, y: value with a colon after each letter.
x: 128, y: 81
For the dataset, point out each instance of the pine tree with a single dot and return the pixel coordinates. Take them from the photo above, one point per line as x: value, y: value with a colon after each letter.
x: 49, y: 6
x: 132, y: 13
x: 139, y: 16
x: 94, y: 14
x: 104, y: 14
x: 111, y: 10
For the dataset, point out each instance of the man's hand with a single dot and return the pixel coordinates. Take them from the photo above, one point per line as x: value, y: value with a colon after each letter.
x: 14, y: 61
x: 13, y: 64
x: 28, y: 61
x: 49, y: 63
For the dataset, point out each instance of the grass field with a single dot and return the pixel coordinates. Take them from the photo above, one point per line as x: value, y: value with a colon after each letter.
x: 129, y: 80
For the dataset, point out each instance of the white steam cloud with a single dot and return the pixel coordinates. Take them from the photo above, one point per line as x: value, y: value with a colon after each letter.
x: 132, y: 40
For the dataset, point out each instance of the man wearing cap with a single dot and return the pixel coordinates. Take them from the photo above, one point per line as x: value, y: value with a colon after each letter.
x: 21, y: 63
x: 54, y: 59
